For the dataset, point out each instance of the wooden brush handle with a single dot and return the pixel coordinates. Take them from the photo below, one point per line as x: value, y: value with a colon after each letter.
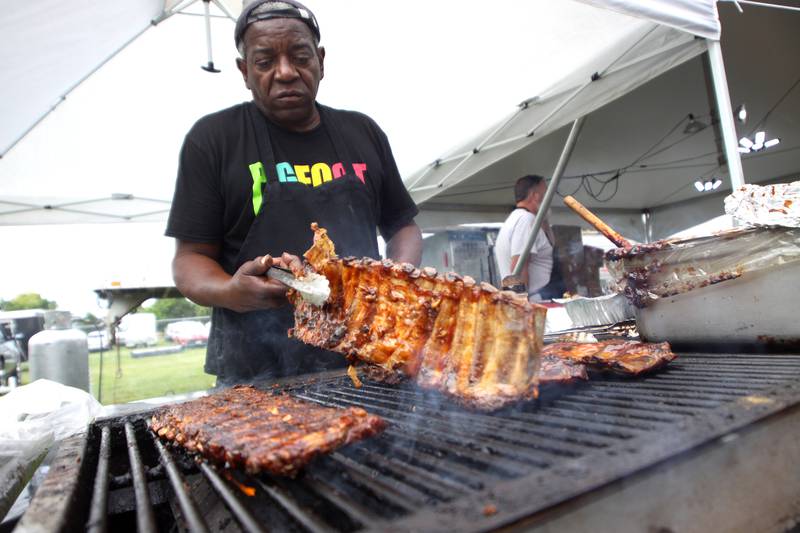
x: 596, y: 223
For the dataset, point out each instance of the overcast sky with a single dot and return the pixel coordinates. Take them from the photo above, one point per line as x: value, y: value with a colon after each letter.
x: 431, y: 74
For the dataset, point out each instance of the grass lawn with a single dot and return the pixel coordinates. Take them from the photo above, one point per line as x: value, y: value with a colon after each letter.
x: 145, y: 377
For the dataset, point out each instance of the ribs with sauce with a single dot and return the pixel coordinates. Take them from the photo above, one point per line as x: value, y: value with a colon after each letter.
x: 625, y: 357
x: 245, y: 427
x: 470, y: 341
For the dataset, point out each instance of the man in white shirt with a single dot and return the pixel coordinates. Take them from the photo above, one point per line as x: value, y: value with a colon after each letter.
x: 528, y: 193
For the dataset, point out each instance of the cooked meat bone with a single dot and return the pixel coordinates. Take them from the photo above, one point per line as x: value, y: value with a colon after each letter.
x: 467, y: 340
x: 556, y: 370
x: 625, y: 357
x: 261, y: 432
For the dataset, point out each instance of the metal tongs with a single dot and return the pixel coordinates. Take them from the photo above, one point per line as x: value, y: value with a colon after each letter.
x: 313, y: 288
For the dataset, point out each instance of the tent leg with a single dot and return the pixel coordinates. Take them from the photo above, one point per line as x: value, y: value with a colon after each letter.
x: 729, y: 139
x: 210, y: 66
x: 566, y: 152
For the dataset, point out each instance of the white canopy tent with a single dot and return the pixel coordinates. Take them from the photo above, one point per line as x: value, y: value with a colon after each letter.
x: 120, y: 130
x: 651, y: 78
x: 49, y: 47
x: 637, y: 155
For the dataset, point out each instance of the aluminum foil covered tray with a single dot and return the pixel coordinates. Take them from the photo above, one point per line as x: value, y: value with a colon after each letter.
x: 599, y: 311
x: 731, y: 287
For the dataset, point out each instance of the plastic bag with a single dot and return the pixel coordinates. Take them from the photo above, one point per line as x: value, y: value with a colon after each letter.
x: 45, y: 407
x: 666, y: 268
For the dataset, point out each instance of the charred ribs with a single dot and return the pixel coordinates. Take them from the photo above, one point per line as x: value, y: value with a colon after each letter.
x: 624, y: 357
x: 554, y: 369
x: 468, y: 340
x: 245, y: 427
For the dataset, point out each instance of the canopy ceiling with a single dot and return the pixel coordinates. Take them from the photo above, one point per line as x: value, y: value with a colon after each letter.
x: 650, y: 78
x: 635, y: 152
x: 49, y: 46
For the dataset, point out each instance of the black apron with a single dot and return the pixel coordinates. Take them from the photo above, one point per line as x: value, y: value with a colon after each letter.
x: 254, y: 346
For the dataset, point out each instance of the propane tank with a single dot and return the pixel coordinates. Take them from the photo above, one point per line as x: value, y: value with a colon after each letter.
x: 59, y: 352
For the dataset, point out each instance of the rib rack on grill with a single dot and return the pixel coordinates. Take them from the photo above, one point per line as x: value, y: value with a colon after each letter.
x: 470, y: 341
x: 261, y: 432
x: 625, y: 357
x: 557, y: 370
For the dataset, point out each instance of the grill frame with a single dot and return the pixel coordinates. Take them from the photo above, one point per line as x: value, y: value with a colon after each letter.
x: 701, y: 396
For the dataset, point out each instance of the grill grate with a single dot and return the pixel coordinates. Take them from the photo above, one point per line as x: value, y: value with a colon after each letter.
x: 437, y: 460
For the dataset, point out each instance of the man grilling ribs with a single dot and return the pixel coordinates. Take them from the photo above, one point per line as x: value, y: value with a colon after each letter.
x: 253, y: 177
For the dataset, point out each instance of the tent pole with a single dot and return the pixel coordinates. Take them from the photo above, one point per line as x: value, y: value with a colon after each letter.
x: 725, y: 114
x: 207, y: 10
x: 566, y: 152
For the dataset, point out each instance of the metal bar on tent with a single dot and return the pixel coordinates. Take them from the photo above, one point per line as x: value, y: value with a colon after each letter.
x: 575, y: 93
x: 207, y: 11
x: 424, y: 173
x: 73, y: 211
x: 474, y: 151
x: 454, y: 157
x: 648, y: 56
x: 484, y: 144
x: 764, y: 4
x: 207, y: 17
x: 167, y: 13
x: 202, y: 15
x: 63, y: 96
x: 531, y: 131
x: 147, y: 214
x: 566, y: 152
x: 608, y: 72
x: 222, y: 7
x: 725, y: 110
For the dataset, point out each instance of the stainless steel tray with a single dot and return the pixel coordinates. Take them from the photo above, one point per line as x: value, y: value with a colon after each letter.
x: 758, y: 308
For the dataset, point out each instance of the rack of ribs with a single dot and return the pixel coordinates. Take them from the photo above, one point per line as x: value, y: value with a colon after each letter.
x: 554, y: 369
x: 630, y: 358
x: 248, y: 428
x: 467, y: 340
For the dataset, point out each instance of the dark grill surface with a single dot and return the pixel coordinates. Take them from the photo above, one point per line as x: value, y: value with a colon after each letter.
x: 439, y: 467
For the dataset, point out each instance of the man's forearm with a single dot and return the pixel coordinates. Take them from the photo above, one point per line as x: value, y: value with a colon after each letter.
x: 201, y: 279
x: 406, y: 245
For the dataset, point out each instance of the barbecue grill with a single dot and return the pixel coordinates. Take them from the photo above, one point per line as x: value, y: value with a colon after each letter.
x: 709, y: 443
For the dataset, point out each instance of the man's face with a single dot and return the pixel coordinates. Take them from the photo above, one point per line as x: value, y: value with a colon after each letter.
x: 282, y: 68
x: 535, y: 196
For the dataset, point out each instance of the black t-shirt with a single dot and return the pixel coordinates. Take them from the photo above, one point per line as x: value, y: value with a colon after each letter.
x: 217, y: 195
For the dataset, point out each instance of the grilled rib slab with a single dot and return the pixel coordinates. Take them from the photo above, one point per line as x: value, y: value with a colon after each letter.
x: 557, y: 370
x: 625, y: 357
x: 261, y: 432
x: 468, y: 340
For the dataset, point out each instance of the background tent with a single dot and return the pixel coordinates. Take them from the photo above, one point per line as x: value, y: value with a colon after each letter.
x: 58, y: 162
x: 63, y: 43
x: 652, y: 129
x: 119, y: 131
x: 148, y: 94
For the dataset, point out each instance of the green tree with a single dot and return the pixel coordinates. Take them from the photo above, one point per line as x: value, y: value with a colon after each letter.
x: 176, y: 308
x: 89, y: 320
x: 29, y: 300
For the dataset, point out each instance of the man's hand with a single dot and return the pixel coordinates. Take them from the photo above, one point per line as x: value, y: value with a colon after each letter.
x: 199, y: 277
x: 250, y: 289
